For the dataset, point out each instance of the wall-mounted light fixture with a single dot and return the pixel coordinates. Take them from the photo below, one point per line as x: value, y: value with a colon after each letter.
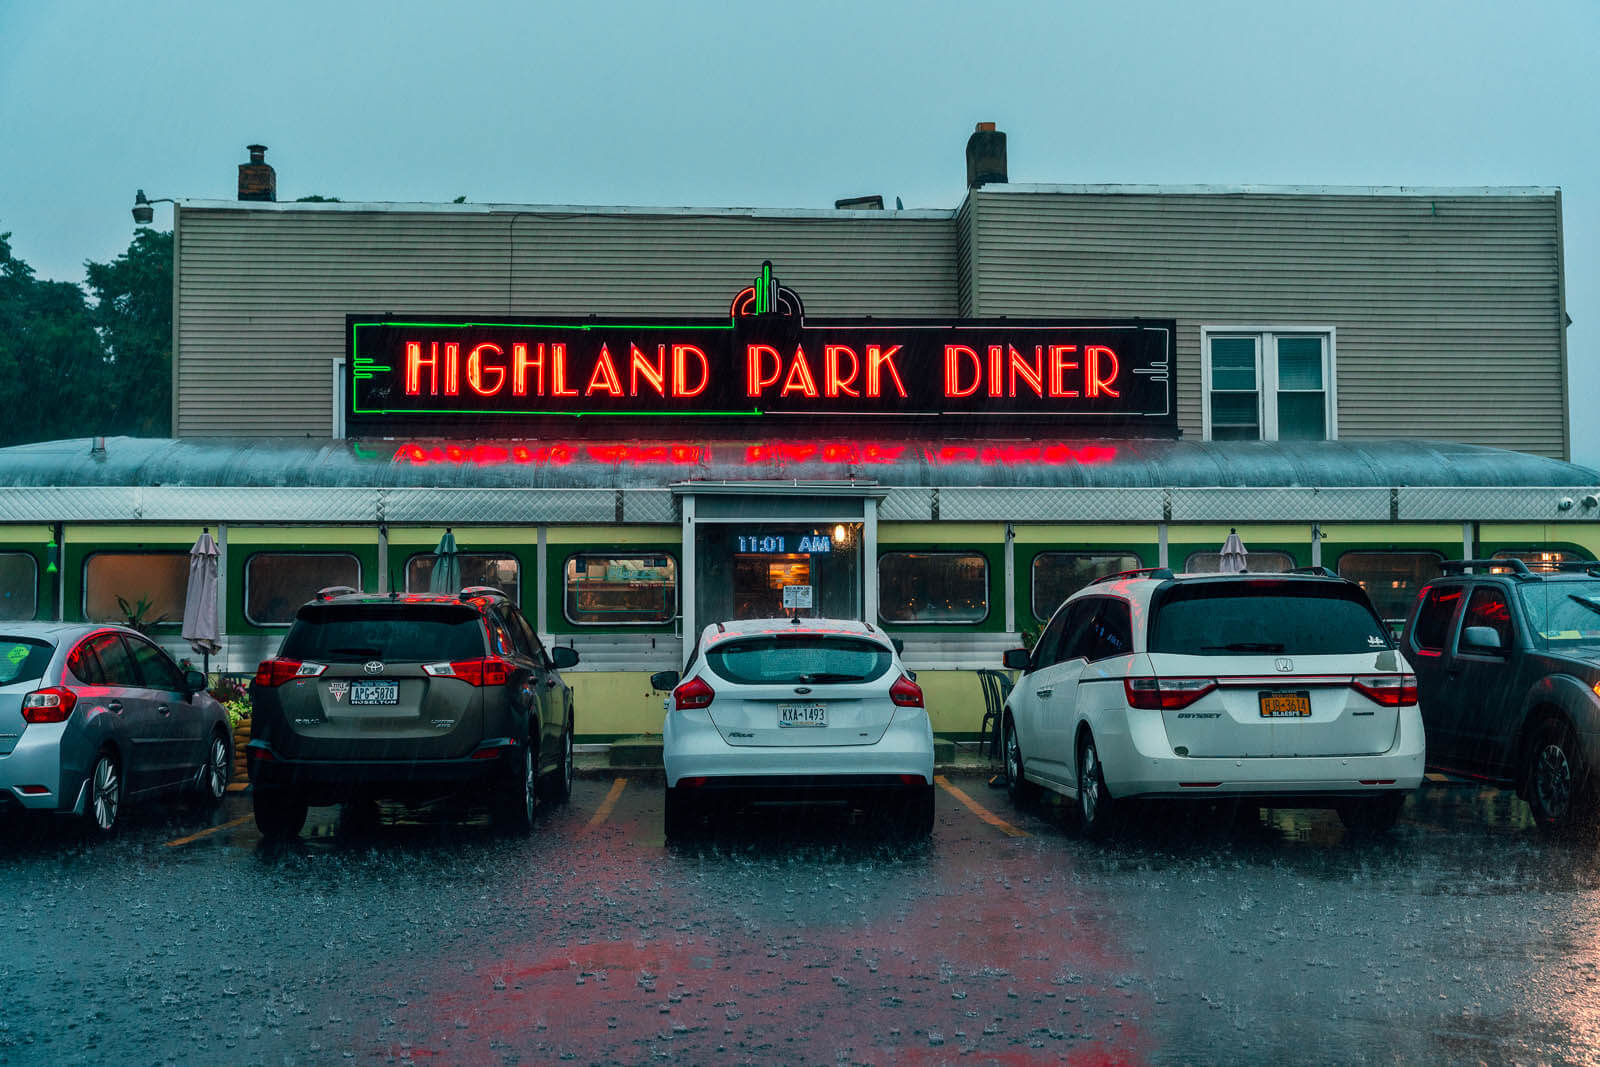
x: 143, y: 207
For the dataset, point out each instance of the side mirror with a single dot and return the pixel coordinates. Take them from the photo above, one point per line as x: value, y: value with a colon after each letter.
x: 665, y: 681
x: 1016, y: 659
x: 563, y: 657
x: 194, y: 681
x: 1482, y: 638
x: 899, y: 645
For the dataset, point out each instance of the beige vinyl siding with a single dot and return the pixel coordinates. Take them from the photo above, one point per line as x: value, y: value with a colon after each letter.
x: 263, y: 293
x: 1447, y: 308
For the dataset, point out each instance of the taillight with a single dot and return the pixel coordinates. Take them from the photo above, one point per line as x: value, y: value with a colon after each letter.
x: 692, y: 694
x: 1390, y: 690
x: 491, y: 670
x: 905, y: 693
x: 1166, y: 694
x: 274, y: 672
x: 49, y: 705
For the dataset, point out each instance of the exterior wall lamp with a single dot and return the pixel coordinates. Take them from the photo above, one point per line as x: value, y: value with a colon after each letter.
x: 143, y: 207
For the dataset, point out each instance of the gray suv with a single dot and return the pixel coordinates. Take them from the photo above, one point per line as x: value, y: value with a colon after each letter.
x: 1508, y: 664
x: 410, y: 697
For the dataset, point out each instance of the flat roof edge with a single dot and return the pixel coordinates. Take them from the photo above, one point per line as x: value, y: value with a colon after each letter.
x: 575, y: 210
x: 1277, y: 190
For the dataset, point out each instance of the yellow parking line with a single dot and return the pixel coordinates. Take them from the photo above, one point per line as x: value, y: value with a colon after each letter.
x: 206, y: 833
x: 603, y: 812
x: 1434, y: 777
x: 979, y: 810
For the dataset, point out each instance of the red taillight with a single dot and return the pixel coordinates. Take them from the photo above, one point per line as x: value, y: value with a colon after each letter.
x: 274, y: 672
x: 491, y: 670
x: 905, y: 693
x: 49, y: 705
x: 694, y: 693
x: 1166, y: 694
x: 1390, y: 690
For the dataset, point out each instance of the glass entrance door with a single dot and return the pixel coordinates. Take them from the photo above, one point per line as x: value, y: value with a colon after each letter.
x: 777, y: 570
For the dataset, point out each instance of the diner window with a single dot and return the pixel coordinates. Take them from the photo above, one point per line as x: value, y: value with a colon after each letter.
x: 277, y: 583
x: 1539, y: 559
x: 1269, y: 386
x: 144, y: 588
x: 1057, y: 575
x: 933, y: 587
x: 1391, y: 579
x: 628, y: 590
x: 19, y: 586
x: 477, y: 568
x: 1264, y: 562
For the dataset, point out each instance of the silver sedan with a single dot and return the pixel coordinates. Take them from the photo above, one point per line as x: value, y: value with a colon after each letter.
x: 94, y: 716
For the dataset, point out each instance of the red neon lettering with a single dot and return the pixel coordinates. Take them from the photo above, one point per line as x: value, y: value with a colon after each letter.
x: 1032, y: 373
x: 680, y: 368
x: 953, y: 356
x: 452, y: 368
x: 877, y: 359
x: 604, y: 379
x: 654, y: 374
x: 995, y: 354
x: 519, y: 369
x: 558, y: 371
x: 754, y: 380
x: 1098, y: 384
x: 476, y: 369
x: 799, y: 378
x: 1059, y: 366
x: 414, y: 364
x: 836, y: 384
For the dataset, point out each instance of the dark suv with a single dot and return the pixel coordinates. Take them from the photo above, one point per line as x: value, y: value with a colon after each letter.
x: 410, y: 696
x: 1508, y: 671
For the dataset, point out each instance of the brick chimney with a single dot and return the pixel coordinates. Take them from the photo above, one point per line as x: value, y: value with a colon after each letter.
x: 258, y: 181
x: 986, y: 156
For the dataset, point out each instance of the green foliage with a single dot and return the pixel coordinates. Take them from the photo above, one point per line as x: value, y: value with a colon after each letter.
x: 51, y: 360
x: 136, y: 615
x: 133, y: 313
x: 315, y: 199
x: 238, y: 711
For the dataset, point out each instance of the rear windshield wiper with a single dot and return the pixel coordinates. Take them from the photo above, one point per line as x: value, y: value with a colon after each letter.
x: 1245, y: 646
x: 830, y: 678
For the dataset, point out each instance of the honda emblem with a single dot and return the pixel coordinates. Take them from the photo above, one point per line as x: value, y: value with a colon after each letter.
x: 1283, y: 664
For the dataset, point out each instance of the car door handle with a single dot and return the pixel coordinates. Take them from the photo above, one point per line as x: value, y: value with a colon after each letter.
x: 1043, y: 694
x: 116, y: 706
x: 550, y: 682
x: 163, y: 709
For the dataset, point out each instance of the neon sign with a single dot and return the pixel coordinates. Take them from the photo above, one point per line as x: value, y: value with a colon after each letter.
x: 765, y: 360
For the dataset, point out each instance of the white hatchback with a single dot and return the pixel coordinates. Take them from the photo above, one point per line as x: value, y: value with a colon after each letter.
x: 1280, y: 688
x: 796, y: 710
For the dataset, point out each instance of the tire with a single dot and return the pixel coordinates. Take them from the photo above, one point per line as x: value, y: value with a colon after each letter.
x: 1096, y: 807
x: 1019, y: 788
x: 103, y: 809
x: 1558, y: 782
x: 681, y: 815
x: 513, y: 804
x: 1371, y: 815
x: 211, y: 784
x: 280, y: 813
x: 913, y: 813
x: 556, y: 788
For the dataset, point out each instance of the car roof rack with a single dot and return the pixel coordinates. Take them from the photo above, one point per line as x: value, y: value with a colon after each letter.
x: 1140, y: 572
x: 474, y: 591
x: 1515, y: 566
x: 331, y: 591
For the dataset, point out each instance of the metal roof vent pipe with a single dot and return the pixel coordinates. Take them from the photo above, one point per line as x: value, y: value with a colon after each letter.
x: 986, y: 156
x: 257, y: 179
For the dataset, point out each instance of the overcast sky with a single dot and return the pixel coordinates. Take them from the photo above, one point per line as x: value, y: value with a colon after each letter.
x: 789, y: 106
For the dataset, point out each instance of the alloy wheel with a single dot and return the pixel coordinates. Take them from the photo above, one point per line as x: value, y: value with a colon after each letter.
x: 530, y: 781
x: 106, y: 793
x: 217, y: 769
x: 1089, y: 782
x: 568, y: 771
x: 1013, y: 757
x: 1552, y: 780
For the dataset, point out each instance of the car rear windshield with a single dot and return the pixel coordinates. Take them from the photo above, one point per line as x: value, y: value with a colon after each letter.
x: 1239, y: 618
x: 1563, y: 612
x: 403, y: 633
x: 804, y: 659
x: 23, y: 659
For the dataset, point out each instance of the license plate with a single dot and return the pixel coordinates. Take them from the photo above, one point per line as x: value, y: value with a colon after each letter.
x: 802, y: 715
x: 374, y: 692
x: 1286, y: 705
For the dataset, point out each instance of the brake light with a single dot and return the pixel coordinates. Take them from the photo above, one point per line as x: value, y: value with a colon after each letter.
x: 1390, y: 690
x: 694, y: 693
x: 49, y: 705
x: 1166, y: 694
x: 274, y: 672
x: 490, y: 670
x: 905, y: 693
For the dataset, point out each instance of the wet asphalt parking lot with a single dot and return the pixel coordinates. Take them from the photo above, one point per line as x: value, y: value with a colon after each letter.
x: 803, y: 937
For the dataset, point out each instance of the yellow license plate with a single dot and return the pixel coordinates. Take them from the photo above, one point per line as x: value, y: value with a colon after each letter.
x: 1286, y: 705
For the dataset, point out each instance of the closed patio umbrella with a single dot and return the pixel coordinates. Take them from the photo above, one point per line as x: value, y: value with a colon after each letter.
x: 200, y: 600
x: 446, y: 576
x: 1233, y: 554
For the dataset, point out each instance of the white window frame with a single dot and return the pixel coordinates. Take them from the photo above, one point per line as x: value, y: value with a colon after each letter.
x: 338, y: 399
x: 1266, y: 338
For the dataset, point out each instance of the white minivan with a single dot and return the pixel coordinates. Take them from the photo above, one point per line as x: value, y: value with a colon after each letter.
x: 1282, y: 688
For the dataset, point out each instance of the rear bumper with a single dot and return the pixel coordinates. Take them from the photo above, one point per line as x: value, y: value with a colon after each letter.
x: 330, y: 781
x: 693, y: 748
x: 37, y: 760
x: 1141, y: 763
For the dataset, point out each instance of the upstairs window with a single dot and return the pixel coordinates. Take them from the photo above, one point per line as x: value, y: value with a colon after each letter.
x: 1268, y: 385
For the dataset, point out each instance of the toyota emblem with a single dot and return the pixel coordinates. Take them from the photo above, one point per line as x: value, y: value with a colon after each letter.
x: 375, y: 666
x: 1283, y: 664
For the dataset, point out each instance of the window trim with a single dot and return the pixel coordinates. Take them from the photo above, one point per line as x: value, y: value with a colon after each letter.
x: 1338, y: 568
x: 244, y: 607
x: 83, y: 584
x: 405, y: 569
x: 1033, y: 574
x: 677, y: 585
x: 1267, y: 372
x: 34, y: 561
x: 988, y: 600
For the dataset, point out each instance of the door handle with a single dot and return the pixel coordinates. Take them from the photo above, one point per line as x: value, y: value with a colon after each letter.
x: 163, y: 709
x: 1043, y: 694
x: 116, y: 706
x: 549, y: 681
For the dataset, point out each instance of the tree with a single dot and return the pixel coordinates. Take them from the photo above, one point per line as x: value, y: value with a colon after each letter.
x: 51, y: 360
x: 133, y: 314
